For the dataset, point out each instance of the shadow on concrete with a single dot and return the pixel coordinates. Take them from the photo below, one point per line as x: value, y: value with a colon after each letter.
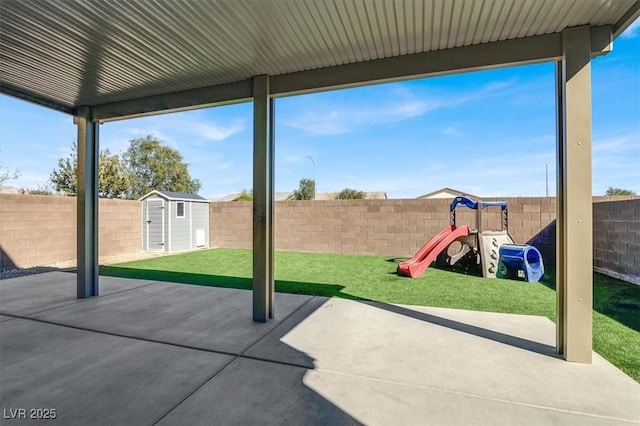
x: 219, y: 400
x: 244, y: 393
x: 138, y: 381
x: 326, y: 290
x: 484, y: 333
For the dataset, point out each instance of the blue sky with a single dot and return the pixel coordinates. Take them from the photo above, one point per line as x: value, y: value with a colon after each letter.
x: 488, y: 133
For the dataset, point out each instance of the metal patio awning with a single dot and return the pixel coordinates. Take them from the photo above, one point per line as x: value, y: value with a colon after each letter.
x: 125, y: 58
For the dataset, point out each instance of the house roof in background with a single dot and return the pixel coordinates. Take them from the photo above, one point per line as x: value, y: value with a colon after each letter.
x: 285, y: 196
x: 442, y: 191
x: 176, y: 196
x: 9, y: 190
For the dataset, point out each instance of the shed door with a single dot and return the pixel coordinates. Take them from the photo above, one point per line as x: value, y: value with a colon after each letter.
x: 155, y: 225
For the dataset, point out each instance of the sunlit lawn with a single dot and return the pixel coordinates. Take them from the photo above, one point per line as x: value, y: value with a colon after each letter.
x: 616, y: 317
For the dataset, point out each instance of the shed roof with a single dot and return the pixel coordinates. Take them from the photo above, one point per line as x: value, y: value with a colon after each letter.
x: 127, y: 58
x: 176, y: 196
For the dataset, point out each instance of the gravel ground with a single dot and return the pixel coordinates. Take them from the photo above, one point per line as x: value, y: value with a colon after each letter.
x: 70, y: 265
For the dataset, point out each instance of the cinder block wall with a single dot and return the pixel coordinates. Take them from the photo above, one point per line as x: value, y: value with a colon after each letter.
x: 41, y: 230
x: 616, y: 239
x: 385, y: 227
x: 120, y: 223
x: 231, y: 224
x: 36, y: 230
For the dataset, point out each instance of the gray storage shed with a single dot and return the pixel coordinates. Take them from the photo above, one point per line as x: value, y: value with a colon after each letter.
x: 174, y: 221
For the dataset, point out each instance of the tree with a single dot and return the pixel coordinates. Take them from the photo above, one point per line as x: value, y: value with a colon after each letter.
x: 6, y: 175
x: 350, y: 194
x: 146, y: 165
x: 306, y: 190
x: 244, y: 196
x: 619, y: 191
x: 153, y: 165
x: 113, y: 178
x: 64, y: 178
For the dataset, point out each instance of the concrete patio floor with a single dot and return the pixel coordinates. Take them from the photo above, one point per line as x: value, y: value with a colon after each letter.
x: 162, y: 353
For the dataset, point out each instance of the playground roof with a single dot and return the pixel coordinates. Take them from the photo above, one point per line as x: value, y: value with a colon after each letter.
x: 134, y: 57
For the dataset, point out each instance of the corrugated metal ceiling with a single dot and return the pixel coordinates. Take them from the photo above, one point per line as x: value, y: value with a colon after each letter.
x: 93, y: 52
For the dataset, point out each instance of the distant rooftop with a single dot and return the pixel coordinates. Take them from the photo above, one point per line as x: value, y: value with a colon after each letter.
x: 284, y: 196
x: 9, y: 190
x: 447, y: 193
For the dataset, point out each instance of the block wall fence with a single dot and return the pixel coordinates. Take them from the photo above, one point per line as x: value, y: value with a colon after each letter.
x: 616, y: 239
x: 40, y: 230
x: 383, y: 227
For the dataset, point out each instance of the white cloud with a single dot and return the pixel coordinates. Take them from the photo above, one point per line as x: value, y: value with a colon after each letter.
x: 452, y: 131
x: 180, y: 129
x: 214, y: 131
x: 407, y: 185
x: 30, y: 180
x: 328, y: 120
x: 632, y: 31
x: 288, y: 157
x: 507, y: 175
x: 615, y: 162
x: 487, y: 90
x: 620, y: 143
x: 115, y: 145
x: 411, y: 109
x: 56, y: 152
x: 543, y: 139
x: 323, y: 117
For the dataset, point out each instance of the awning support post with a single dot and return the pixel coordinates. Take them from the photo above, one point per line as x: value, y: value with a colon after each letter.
x: 574, y: 262
x: 263, y: 202
x: 87, y: 204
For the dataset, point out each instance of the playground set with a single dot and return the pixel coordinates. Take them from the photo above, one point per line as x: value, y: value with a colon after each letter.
x: 494, y: 250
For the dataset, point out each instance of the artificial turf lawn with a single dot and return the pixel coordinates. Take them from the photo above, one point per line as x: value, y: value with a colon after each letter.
x: 616, y: 316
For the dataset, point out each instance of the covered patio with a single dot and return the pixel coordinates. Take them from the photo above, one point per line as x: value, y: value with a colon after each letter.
x: 149, y: 352
x: 162, y: 353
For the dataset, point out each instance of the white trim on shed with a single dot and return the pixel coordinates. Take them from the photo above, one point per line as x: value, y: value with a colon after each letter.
x: 170, y: 232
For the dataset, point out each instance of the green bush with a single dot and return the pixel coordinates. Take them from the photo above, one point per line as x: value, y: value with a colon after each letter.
x: 244, y: 196
x: 350, y: 194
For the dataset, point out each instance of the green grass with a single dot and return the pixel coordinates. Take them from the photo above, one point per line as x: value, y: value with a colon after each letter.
x: 616, y: 317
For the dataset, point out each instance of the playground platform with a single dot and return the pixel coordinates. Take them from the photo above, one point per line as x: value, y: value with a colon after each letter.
x: 161, y: 353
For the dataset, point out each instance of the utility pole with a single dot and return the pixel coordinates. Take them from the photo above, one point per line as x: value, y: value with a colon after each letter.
x: 547, y: 179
